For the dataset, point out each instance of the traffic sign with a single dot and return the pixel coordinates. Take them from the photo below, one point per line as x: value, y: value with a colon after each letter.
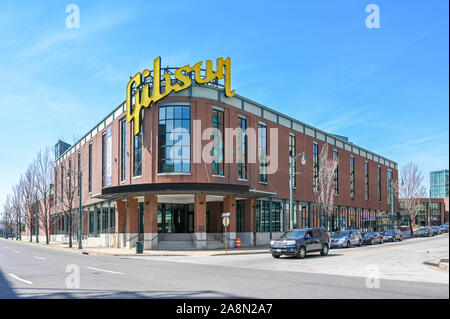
x: 226, y: 221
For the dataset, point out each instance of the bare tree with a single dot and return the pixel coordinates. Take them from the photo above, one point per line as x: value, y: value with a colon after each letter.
x: 29, y: 197
x: 324, y: 192
x: 67, y: 196
x: 411, y: 190
x: 8, y: 219
x: 17, y: 210
x: 44, y: 170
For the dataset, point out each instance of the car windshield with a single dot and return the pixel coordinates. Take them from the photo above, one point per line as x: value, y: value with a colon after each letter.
x: 340, y: 233
x: 296, y: 234
x: 389, y: 232
x: 368, y: 234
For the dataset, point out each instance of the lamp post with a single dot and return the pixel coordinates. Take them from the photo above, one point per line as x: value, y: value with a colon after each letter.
x: 292, y: 173
x: 391, y: 186
x: 429, y: 215
x: 80, y: 245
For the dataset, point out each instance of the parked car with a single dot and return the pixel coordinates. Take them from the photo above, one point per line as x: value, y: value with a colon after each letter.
x: 423, y: 232
x: 393, y: 235
x: 299, y: 242
x: 346, y: 238
x: 372, y: 238
x: 444, y: 228
x: 435, y: 230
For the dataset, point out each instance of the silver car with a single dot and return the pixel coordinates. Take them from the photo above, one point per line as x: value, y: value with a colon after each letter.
x: 346, y: 238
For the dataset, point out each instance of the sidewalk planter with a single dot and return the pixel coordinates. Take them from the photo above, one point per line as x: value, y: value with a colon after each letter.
x: 139, y: 247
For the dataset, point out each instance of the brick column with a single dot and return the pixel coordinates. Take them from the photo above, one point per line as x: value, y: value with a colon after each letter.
x: 250, y: 222
x: 150, y: 221
x: 119, y: 224
x: 200, y: 221
x: 229, y: 205
x: 131, y: 222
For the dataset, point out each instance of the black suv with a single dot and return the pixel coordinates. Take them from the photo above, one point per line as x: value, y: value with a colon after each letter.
x: 299, y: 242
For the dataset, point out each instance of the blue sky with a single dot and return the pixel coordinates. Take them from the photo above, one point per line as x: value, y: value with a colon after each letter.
x: 386, y: 89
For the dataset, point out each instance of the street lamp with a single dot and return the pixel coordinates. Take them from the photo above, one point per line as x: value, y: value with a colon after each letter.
x: 391, y: 186
x: 292, y: 173
x: 80, y: 245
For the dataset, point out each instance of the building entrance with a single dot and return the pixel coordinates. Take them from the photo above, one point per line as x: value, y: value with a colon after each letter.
x: 174, y: 218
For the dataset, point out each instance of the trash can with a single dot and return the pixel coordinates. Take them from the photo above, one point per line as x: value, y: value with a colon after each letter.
x: 139, y: 247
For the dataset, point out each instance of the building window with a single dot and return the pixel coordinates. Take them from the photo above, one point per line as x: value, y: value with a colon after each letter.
x: 174, y: 141
x: 240, y: 215
x: 336, y: 172
x: 315, y: 165
x: 90, y: 167
x: 56, y: 186
x: 137, y: 155
x: 62, y: 184
x: 103, y: 160
x: 242, y: 163
x: 262, y: 152
x: 366, y: 180
x: 79, y: 162
x: 292, y: 152
x: 263, y: 219
x: 123, y: 150
x: 379, y: 183
x: 389, y: 181
x: 218, y: 142
x: 352, y: 177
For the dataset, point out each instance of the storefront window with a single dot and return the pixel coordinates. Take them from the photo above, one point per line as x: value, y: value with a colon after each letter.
x: 263, y: 216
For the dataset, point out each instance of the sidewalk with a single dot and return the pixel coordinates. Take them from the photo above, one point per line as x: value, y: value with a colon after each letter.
x: 441, y: 263
x: 211, y: 252
x: 110, y: 251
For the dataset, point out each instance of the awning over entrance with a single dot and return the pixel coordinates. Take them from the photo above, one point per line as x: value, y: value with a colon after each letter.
x: 125, y: 191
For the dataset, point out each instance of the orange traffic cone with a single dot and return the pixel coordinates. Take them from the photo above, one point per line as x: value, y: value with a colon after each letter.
x: 238, y: 242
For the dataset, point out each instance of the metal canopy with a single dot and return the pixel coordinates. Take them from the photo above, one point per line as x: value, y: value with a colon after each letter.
x: 125, y: 191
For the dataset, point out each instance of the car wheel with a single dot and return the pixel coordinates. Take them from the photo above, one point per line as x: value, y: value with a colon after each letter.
x: 371, y: 242
x: 359, y: 244
x: 324, y: 250
x: 348, y: 244
x: 301, y: 252
x: 381, y: 241
x: 401, y: 238
x: 276, y: 256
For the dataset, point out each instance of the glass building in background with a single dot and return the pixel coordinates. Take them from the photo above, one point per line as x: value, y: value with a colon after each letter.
x: 439, y: 183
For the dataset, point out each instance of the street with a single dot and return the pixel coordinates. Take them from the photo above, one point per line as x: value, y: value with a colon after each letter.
x: 390, y: 270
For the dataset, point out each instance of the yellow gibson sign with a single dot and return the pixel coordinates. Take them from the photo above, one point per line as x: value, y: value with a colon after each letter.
x: 144, y: 100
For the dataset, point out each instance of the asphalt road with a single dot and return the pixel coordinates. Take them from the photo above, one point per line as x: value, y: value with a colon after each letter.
x: 382, y: 271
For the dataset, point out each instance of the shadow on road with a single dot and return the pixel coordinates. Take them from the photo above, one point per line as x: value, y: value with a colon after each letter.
x: 58, y: 293
x: 6, y: 292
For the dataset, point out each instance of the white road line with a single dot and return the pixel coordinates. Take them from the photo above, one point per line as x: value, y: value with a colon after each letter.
x: 20, y: 279
x: 41, y: 258
x: 16, y: 251
x: 110, y: 271
x: 5, y: 247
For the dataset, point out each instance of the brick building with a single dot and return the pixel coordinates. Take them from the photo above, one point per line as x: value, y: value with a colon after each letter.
x: 430, y: 212
x: 132, y: 189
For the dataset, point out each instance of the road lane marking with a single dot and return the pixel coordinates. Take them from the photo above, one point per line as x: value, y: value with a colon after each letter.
x: 41, y: 258
x: 20, y: 279
x: 16, y: 251
x: 110, y: 271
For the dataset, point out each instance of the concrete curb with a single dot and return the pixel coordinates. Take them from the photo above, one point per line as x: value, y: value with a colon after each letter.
x: 167, y: 253
x: 441, y: 263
